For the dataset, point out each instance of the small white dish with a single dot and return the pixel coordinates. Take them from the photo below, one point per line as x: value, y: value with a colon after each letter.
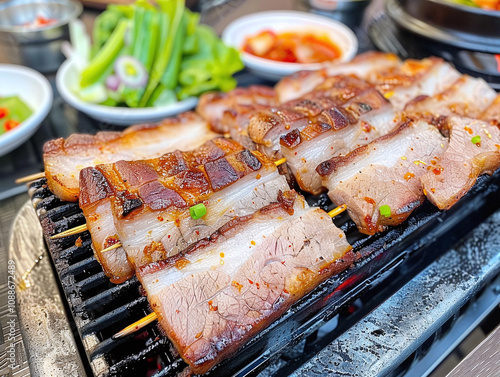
x: 67, y: 77
x: 35, y: 90
x: 281, y: 21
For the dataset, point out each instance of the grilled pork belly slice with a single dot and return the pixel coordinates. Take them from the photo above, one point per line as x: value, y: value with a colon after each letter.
x: 64, y: 159
x: 474, y: 149
x: 385, y: 173
x: 266, y: 127
x: 363, y: 119
x: 466, y: 97
x: 99, y: 187
x: 153, y: 219
x: 219, y: 292
x: 363, y: 66
x: 213, y: 106
x: 414, y: 78
x: 101, y: 227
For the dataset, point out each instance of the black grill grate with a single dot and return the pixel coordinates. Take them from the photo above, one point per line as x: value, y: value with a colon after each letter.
x: 100, y: 308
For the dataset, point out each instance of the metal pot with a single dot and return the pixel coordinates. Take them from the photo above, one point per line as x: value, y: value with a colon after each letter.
x: 38, y: 47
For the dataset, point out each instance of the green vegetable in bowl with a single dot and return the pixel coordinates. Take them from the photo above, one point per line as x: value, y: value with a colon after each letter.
x: 13, y: 111
x: 152, y: 55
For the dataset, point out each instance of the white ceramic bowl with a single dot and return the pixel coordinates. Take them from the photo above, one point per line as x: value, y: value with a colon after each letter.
x: 35, y: 90
x: 281, y: 21
x: 66, y: 78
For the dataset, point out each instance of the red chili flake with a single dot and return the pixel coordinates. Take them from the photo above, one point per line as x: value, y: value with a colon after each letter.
x: 369, y: 200
x: 10, y: 124
x: 251, y: 282
x: 3, y: 112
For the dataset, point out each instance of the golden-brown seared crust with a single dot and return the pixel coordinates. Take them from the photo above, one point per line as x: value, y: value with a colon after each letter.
x: 322, y: 106
x: 176, y: 180
x: 76, y: 141
x: 409, y: 72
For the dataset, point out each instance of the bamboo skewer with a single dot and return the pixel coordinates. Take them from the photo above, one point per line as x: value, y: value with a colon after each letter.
x: 112, y: 247
x: 83, y: 228
x: 30, y: 177
x: 70, y: 232
x: 136, y: 326
x: 153, y: 317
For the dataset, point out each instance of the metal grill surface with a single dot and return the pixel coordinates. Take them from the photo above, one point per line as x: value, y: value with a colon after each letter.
x: 100, y: 308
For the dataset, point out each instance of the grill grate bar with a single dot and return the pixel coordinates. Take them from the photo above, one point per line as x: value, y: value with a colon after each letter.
x: 65, y: 210
x: 74, y: 253
x: 118, y: 314
x: 78, y: 268
x: 158, y: 347
x: 107, y: 297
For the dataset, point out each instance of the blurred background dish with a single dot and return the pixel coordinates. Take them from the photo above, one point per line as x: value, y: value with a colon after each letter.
x: 67, y: 76
x: 237, y: 33
x: 340, y: 5
x: 31, y: 31
x: 35, y: 91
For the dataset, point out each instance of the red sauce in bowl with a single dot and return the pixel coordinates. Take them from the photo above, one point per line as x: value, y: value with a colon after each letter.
x: 292, y: 47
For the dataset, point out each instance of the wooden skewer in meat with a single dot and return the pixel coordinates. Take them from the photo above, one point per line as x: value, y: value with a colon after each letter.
x: 130, y: 329
x: 246, y: 274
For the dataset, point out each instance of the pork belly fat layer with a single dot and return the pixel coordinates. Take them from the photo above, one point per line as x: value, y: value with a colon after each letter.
x: 384, y: 173
x: 466, y: 97
x: 64, y: 159
x: 104, y: 234
x: 363, y: 66
x: 474, y: 149
x: 244, y: 276
x: 156, y: 235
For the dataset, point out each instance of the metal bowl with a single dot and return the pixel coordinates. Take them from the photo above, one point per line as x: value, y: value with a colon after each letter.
x: 461, y: 26
x: 38, y: 47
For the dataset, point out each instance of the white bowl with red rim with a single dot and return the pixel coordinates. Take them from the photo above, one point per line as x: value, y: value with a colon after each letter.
x: 236, y: 33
